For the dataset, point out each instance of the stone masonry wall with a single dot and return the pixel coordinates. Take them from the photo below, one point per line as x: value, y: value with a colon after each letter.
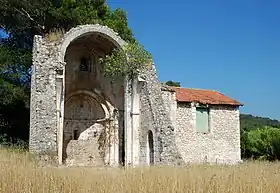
x: 221, y: 145
x: 146, y: 125
x: 169, y: 101
x: 154, y: 117
x: 43, y: 126
x: 87, y: 150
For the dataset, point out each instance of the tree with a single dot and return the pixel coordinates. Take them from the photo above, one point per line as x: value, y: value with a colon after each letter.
x: 250, y: 122
x: 22, y: 20
x: 256, y: 137
x: 263, y: 143
x: 118, y: 65
x: 172, y: 83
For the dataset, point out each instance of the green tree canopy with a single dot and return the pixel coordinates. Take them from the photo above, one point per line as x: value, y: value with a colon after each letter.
x: 28, y: 17
x: 255, y: 132
x: 263, y: 143
x: 250, y: 122
x: 172, y: 83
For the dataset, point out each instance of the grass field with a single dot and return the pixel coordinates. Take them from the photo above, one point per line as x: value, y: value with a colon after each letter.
x: 19, y: 174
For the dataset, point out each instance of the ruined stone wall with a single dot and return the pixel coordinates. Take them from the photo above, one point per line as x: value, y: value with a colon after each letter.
x: 154, y: 117
x: 169, y: 101
x: 220, y: 145
x: 146, y: 125
x: 43, y: 126
x: 88, y: 149
x: 48, y: 72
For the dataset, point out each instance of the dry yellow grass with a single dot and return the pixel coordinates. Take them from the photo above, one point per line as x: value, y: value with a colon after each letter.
x: 20, y: 174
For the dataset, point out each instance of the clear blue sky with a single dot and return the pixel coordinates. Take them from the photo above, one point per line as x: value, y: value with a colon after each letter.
x: 232, y: 46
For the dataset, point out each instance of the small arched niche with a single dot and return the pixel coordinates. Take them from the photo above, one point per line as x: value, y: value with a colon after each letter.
x: 150, y: 148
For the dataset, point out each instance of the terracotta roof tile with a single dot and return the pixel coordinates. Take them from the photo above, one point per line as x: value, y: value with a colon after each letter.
x: 204, y: 97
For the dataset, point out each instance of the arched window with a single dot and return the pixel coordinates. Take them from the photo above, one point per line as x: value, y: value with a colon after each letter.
x: 84, y: 64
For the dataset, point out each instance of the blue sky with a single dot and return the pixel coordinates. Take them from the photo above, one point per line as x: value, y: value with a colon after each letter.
x: 232, y: 46
x: 227, y: 45
x: 3, y: 34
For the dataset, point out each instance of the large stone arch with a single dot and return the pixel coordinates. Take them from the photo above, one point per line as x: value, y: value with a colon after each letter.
x: 75, y: 37
x: 82, y: 30
x: 48, y: 93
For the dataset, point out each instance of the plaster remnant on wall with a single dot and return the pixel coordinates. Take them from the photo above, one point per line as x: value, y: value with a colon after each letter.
x: 92, y: 132
x: 87, y: 149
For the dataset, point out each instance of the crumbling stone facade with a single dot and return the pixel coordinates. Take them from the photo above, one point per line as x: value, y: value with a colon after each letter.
x: 82, y: 118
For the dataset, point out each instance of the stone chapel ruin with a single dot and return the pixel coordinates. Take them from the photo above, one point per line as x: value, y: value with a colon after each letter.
x: 82, y: 118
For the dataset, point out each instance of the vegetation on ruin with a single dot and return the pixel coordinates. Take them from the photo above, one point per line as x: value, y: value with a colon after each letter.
x: 21, y: 173
x: 54, y: 35
x: 129, y: 61
x: 173, y: 83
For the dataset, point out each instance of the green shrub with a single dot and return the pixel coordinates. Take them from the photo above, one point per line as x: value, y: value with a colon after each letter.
x: 263, y: 144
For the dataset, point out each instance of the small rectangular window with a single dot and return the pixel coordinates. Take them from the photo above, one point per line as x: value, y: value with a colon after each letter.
x: 75, y: 134
x: 202, y: 119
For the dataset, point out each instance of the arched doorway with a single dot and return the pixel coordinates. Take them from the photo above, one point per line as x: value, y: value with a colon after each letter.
x: 150, y: 148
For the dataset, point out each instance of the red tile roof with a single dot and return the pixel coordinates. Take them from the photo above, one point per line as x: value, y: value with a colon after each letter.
x: 203, y: 96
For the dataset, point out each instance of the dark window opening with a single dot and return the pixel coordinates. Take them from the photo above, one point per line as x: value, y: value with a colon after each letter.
x: 151, y: 146
x: 75, y: 134
x: 84, y: 65
x: 122, y: 145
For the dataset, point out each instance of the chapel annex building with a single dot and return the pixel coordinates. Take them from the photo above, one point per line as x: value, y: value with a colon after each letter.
x: 82, y: 118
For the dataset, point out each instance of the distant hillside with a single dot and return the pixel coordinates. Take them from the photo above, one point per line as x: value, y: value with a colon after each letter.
x: 250, y: 122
